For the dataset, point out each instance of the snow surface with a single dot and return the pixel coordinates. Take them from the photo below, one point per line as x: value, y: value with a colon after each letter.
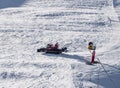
x: 27, y: 25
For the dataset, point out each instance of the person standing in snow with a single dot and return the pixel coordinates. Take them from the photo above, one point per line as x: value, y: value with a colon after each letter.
x: 92, y: 48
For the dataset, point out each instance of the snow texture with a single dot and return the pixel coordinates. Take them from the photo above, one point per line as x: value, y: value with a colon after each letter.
x: 26, y: 25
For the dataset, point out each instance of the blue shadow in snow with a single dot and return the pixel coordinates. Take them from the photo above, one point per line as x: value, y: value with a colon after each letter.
x: 109, y: 79
x: 10, y: 3
x: 116, y: 3
x: 106, y: 82
x: 77, y: 57
x: 68, y: 56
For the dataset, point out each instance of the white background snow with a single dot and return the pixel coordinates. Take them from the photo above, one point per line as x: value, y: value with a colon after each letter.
x: 26, y: 25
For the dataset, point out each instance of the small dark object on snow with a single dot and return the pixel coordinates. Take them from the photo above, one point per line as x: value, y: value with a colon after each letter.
x: 41, y: 50
x: 52, y: 50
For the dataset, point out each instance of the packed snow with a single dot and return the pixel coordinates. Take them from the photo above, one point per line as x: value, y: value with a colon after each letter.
x: 27, y: 25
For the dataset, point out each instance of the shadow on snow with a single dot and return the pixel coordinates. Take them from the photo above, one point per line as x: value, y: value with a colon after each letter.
x: 116, y: 3
x: 68, y: 56
x: 106, y: 82
x: 10, y: 3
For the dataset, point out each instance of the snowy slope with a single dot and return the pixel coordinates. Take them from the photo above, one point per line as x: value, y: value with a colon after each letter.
x: 27, y: 25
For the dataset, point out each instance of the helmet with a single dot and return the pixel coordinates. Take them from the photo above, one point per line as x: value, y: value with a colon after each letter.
x: 90, y: 43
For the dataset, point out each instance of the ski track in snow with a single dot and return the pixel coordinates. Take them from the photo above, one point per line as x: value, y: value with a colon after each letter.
x: 29, y: 25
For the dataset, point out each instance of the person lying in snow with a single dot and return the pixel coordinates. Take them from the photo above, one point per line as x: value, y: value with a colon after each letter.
x: 50, y: 46
x: 52, y: 49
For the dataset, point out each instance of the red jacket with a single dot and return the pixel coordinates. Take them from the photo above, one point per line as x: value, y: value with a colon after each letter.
x: 56, y: 46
